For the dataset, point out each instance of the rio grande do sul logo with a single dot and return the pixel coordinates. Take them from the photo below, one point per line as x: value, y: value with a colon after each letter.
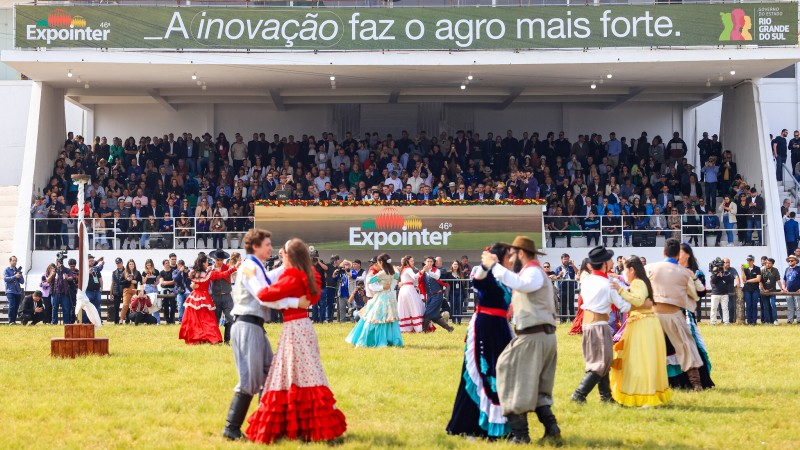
x: 390, y: 228
x: 60, y: 26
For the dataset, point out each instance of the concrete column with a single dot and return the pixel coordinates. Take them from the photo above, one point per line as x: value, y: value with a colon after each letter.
x: 744, y: 131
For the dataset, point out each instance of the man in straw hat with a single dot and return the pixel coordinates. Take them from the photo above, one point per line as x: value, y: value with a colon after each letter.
x: 598, y: 295
x: 252, y: 351
x: 671, y: 292
x: 527, y: 367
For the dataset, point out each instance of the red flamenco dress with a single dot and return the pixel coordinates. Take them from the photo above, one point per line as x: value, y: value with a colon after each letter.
x: 296, y: 402
x: 577, y: 324
x: 199, y: 324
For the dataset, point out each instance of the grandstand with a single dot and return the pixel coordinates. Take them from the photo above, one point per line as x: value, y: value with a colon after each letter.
x: 145, y: 83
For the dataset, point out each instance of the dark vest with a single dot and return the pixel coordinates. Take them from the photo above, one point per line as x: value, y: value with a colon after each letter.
x: 221, y: 287
x: 432, y: 287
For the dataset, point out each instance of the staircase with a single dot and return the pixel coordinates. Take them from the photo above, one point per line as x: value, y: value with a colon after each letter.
x: 8, y: 215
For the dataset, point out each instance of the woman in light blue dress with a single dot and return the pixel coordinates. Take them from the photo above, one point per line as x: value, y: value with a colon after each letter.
x: 379, y: 325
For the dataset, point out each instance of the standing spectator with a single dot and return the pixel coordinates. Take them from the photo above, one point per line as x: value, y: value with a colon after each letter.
x: 676, y: 149
x: 566, y: 275
x: 181, y: 278
x: 727, y: 210
x: 38, y: 213
x: 60, y: 293
x: 44, y: 285
x: 94, y: 287
x: 14, y: 279
x: 132, y: 280
x: 794, y: 148
x: 457, y: 290
x: 779, y: 150
x: 755, y: 209
x: 710, y: 171
x: 770, y: 279
x: 790, y: 285
x: 329, y: 295
x: 791, y: 232
x: 722, y: 285
x: 117, y: 282
x: 751, y: 275
x: 168, y: 289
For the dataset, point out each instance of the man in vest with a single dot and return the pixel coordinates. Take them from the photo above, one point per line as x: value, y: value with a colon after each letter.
x: 252, y: 351
x: 527, y: 367
x: 434, y: 295
x: 671, y: 292
x: 598, y: 352
x: 221, y: 292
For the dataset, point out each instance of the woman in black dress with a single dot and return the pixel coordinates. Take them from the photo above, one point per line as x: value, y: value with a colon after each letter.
x: 477, y: 410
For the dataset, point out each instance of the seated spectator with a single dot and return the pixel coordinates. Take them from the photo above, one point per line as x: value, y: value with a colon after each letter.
x: 711, y: 227
x: 611, y: 226
x: 140, y: 310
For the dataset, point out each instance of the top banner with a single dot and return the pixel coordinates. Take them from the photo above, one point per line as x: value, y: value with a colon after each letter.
x: 761, y: 24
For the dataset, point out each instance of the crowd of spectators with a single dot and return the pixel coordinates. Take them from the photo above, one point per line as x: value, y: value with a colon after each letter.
x: 205, y: 188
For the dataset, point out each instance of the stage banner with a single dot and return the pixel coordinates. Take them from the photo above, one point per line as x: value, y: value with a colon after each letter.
x: 365, y: 231
x: 118, y: 27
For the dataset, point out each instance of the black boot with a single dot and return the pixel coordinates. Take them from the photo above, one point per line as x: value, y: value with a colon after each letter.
x: 227, y: 336
x: 587, y: 384
x: 604, y: 386
x: 236, y: 415
x: 443, y: 323
x: 519, y: 428
x: 551, y: 430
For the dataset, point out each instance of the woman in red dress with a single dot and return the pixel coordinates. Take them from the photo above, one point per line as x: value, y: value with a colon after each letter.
x: 199, y: 324
x: 296, y: 402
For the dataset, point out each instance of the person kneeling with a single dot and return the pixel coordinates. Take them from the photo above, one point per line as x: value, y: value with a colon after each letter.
x: 140, y: 310
x: 33, y: 309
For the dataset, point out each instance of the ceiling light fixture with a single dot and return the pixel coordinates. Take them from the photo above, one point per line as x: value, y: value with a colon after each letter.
x: 601, y: 81
x: 593, y: 86
x: 194, y: 76
x: 609, y: 76
x: 470, y: 77
x: 199, y: 83
x: 463, y: 86
x: 78, y: 80
x: 203, y: 87
x: 708, y: 82
x: 733, y: 72
x: 720, y: 77
x: 86, y: 86
x: 333, y: 78
x: 69, y: 73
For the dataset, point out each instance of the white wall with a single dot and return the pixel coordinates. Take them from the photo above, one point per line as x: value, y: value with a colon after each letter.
x: 249, y: 118
x: 13, y: 127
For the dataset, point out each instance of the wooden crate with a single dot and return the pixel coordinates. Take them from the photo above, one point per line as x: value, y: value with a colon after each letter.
x: 72, y: 347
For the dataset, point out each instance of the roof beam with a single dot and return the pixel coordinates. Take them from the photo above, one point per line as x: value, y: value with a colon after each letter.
x: 156, y: 95
x: 277, y: 100
x: 624, y: 98
x: 707, y: 98
x: 394, y: 95
x: 515, y: 92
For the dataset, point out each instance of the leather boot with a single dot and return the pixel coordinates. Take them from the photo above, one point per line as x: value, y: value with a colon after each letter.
x: 604, y: 386
x: 519, y: 428
x: 694, y: 378
x: 236, y: 415
x: 443, y: 323
x: 587, y: 384
x: 227, y: 336
x: 551, y: 430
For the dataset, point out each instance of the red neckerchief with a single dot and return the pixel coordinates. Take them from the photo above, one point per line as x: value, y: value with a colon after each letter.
x: 600, y: 274
x: 532, y: 263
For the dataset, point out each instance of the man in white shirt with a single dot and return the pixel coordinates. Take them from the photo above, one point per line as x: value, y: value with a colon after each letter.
x: 598, y: 352
x: 415, y: 181
x: 321, y: 179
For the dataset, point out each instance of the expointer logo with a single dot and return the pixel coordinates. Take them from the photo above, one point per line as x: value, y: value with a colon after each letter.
x: 390, y: 228
x: 60, y: 26
x: 737, y: 26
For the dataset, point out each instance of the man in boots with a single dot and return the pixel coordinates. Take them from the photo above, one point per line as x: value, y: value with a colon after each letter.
x: 527, y: 367
x: 221, y: 291
x: 434, y: 295
x: 251, y: 348
x: 598, y: 352
x: 671, y: 293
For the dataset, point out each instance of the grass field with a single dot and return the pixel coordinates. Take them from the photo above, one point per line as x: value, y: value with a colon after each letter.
x: 155, y: 392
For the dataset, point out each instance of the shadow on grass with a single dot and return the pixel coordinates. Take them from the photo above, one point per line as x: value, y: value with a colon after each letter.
x: 376, y: 440
x: 428, y: 346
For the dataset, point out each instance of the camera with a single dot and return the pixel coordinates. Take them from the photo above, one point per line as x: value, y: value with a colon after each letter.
x: 271, y: 262
x: 716, y: 265
x: 314, y: 254
x: 61, y: 256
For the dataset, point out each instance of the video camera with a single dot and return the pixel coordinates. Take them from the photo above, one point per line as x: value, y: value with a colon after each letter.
x: 60, y: 257
x: 314, y: 254
x: 271, y: 262
x: 716, y: 265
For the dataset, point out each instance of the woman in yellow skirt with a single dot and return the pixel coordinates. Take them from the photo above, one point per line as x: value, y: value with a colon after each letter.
x: 639, y: 371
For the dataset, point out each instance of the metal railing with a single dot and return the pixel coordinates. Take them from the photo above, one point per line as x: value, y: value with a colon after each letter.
x: 59, y: 233
x: 377, y: 3
x: 642, y: 230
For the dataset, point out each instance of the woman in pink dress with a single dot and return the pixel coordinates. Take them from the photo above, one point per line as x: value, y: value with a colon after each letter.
x: 296, y: 402
x: 410, y: 308
x: 199, y: 324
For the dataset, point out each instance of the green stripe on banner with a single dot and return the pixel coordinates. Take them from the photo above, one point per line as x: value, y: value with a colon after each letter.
x: 762, y: 24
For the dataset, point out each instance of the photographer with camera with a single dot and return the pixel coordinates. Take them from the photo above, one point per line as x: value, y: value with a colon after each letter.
x: 357, y: 300
x: 566, y: 276
x: 346, y: 275
x: 332, y: 275
x: 95, y: 285
x: 722, y: 286
x: 59, y: 293
x: 14, y: 290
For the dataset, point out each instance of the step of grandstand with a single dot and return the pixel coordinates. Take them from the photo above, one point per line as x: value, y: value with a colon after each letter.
x: 9, y: 201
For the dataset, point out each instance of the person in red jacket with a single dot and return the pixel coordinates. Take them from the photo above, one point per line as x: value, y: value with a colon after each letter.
x: 296, y: 402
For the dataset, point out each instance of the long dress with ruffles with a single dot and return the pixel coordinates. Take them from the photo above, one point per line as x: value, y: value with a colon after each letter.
x: 477, y: 411
x: 638, y: 371
x: 199, y: 324
x: 296, y: 402
x: 677, y: 377
x: 379, y: 325
x: 410, y: 308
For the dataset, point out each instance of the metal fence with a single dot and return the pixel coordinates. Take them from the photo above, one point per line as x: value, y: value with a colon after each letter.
x: 115, y: 234
x: 642, y: 230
